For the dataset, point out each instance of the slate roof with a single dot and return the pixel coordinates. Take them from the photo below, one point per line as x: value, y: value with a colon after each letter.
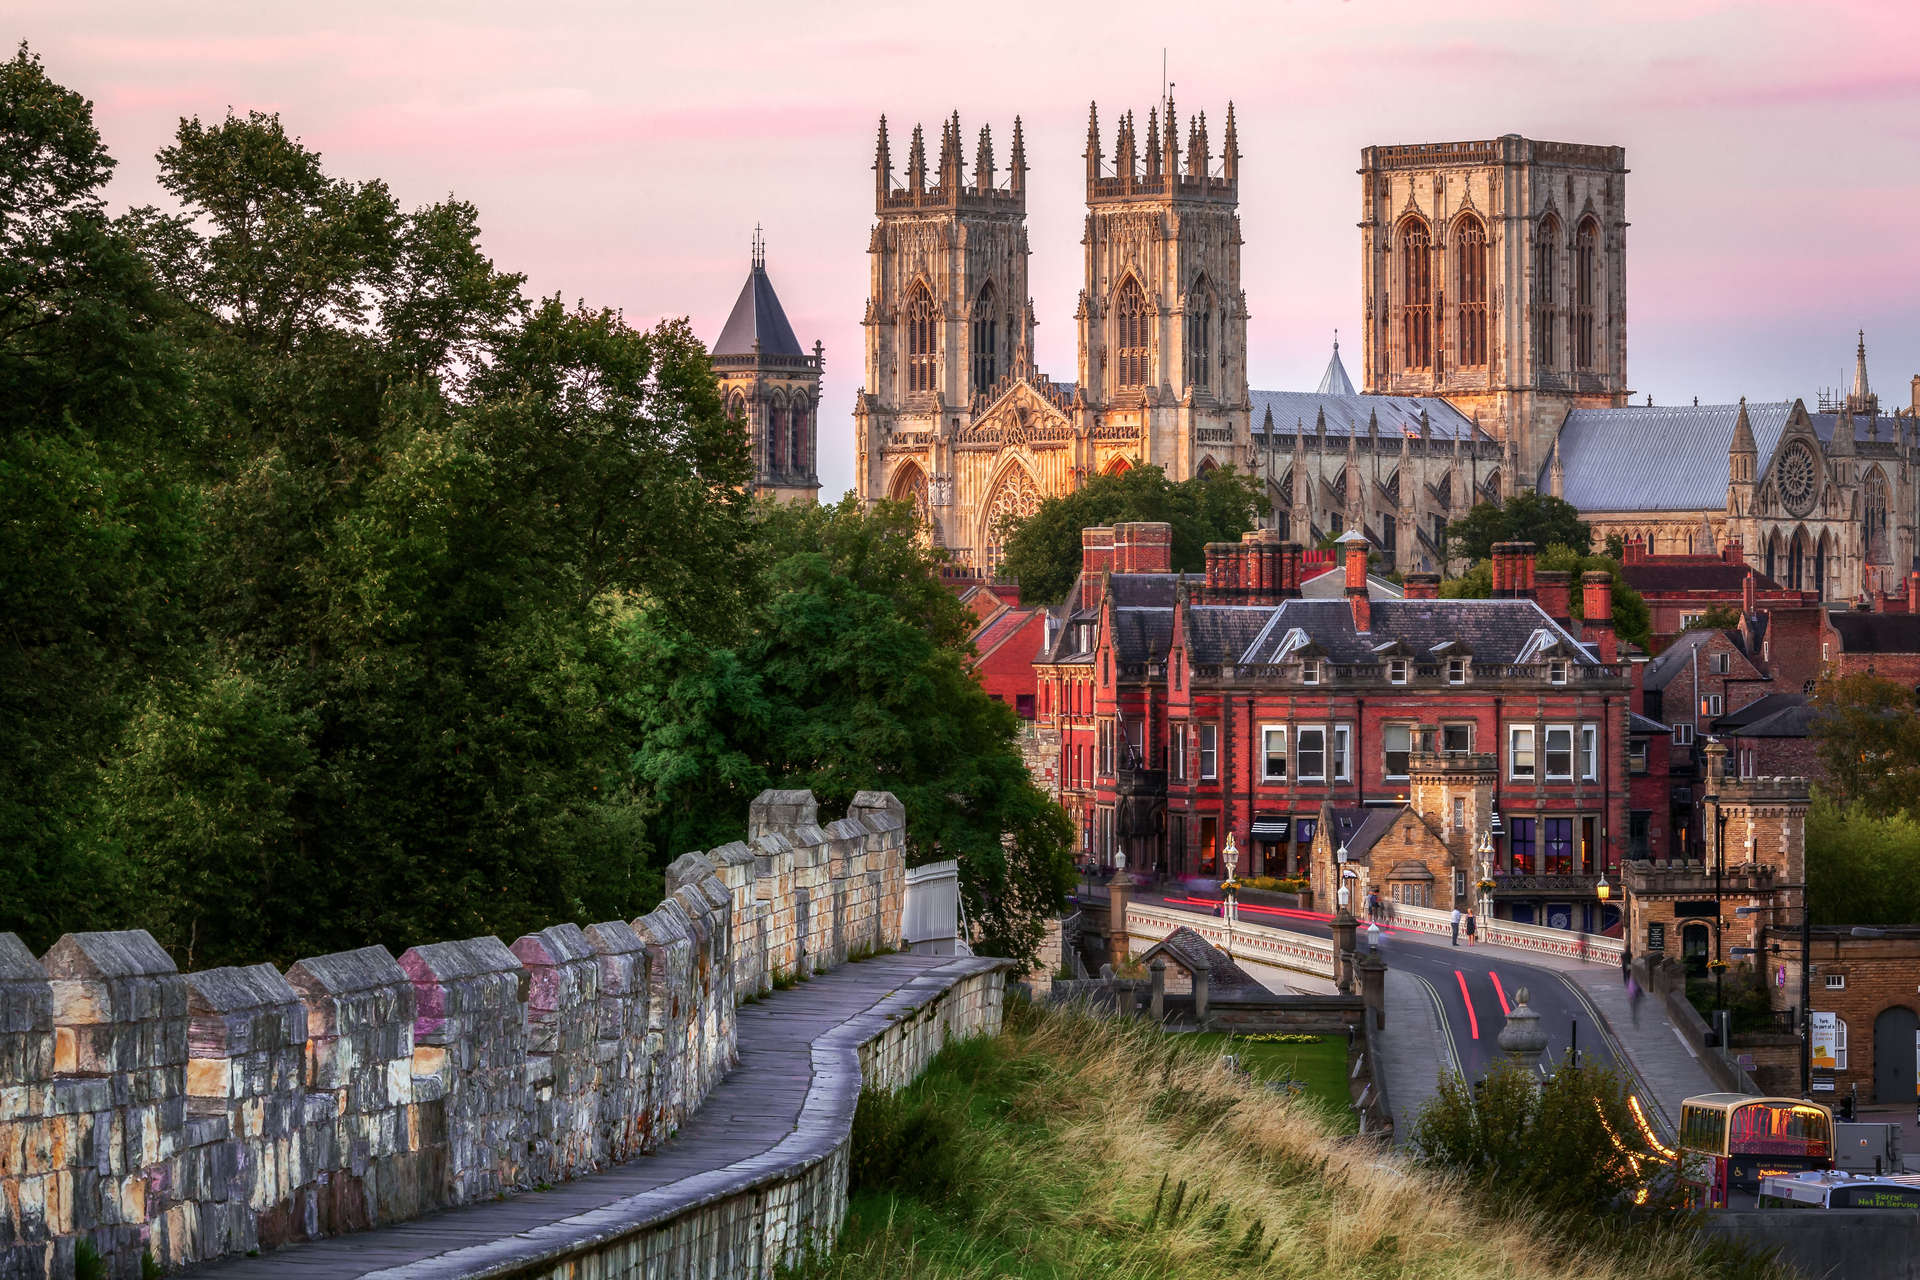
x: 1604, y: 453
x: 1347, y: 415
x: 1331, y: 584
x: 1674, y: 658
x: 1493, y: 631
x: 1361, y: 829
x: 1196, y: 954
x: 1698, y: 573
x: 1335, y: 382
x: 757, y: 315
x: 1877, y: 632
x: 1637, y: 723
x: 1776, y: 715
x: 1142, y: 635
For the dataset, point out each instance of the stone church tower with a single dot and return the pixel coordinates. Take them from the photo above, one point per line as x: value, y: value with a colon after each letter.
x: 771, y: 387
x: 1162, y: 319
x: 1494, y: 274
x: 954, y: 418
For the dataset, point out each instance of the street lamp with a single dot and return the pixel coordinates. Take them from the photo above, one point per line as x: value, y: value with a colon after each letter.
x: 1228, y: 887
x: 1484, y: 851
x: 1341, y: 894
x: 1716, y: 770
x: 1806, y: 983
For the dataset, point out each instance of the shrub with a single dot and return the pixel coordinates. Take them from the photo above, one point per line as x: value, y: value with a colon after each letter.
x: 906, y: 1146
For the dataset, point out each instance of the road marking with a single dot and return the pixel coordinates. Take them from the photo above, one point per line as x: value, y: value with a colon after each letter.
x: 1472, y: 1021
x: 1621, y: 1057
x: 1446, y: 1026
x: 1501, y: 992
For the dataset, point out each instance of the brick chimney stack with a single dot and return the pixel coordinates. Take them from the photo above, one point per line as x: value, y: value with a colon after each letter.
x: 1354, y: 547
x: 1913, y: 592
x: 1513, y: 571
x: 1596, y: 601
x: 1290, y: 570
x: 1096, y: 559
x: 1423, y: 586
x: 1749, y: 595
x: 1143, y: 546
x: 1555, y: 592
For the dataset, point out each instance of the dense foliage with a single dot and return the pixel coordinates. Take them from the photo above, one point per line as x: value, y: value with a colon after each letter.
x: 1863, y: 868
x: 1525, y: 517
x: 341, y: 582
x: 1043, y: 550
x: 1632, y: 620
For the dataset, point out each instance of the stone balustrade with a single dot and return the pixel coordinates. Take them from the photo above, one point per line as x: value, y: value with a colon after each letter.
x: 189, y: 1116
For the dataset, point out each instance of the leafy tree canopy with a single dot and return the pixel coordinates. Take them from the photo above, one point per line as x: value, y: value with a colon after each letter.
x: 1043, y: 550
x: 1718, y: 617
x: 1632, y: 620
x: 1868, y: 738
x: 1863, y: 866
x: 1525, y: 517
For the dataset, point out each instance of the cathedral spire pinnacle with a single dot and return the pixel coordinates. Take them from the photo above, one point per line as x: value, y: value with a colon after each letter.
x: 1125, y: 159
x: 917, y: 163
x: 1171, y: 159
x: 1230, y: 149
x: 1742, y: 432
x: 951, y: 178
x: 983, y: 161
x: 882, y: 169
x: 1093, y: 141
x: 1017, y: 166
x: 1860, y: 369
x: 1153, y: 142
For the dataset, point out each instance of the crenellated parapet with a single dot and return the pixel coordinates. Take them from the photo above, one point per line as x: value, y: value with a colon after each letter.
x: 195, y: 1115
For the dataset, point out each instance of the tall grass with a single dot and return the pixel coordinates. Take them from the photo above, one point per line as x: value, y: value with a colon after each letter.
x: 1074, y: 1146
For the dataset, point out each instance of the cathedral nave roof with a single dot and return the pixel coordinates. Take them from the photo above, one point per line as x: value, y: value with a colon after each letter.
x: 1349, y: 415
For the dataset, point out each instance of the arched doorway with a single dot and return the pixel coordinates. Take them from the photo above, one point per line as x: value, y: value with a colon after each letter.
x: 1695, y: 942
x: 1894, y: 1032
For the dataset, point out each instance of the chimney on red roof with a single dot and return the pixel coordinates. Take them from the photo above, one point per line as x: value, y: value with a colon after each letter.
x: 1354, y: 545
x: 1096, y: 559
x: 1423, y: 586
x: 1266, y: 567
x: 1142, y: 546
x: 1733, y: 552
x: 1523, y: 569
x: 1219, y: 571
x: 1290, y: 572
x: 1636, y: 550
x: 1555, y: 592
x: 1513, y: 570
x: 1913, y: 592
x: 1596, y: 601
x: 1749, y: 595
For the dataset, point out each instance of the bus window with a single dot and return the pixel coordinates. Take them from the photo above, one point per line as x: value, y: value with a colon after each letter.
x: 1703, y: 1129
x: 1769, y: 1129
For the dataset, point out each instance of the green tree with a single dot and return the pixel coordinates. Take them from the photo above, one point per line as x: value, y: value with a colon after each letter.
x: 1719, y: 617
x: 1632, y: 620
x: 851, y: 673
x: 1525, y: 517
x: 98, y: 541
x: 1863, y: 867
x: 1043, y: 550
x: 1867, y: 734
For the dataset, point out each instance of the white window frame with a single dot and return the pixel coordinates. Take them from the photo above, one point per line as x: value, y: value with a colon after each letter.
x: 1209, y: 747
x: 1713, y: 704
x: 1458, y: 670
x: 1309, y: 671
x: 1300, y: 733
x: 1386, y: 770
x: 1342, y: 762
x: 1589, y: 764
x: 1557, y: 670
x: 1267, y: 734
x: 1546, y: 753
x: 1836, y: 982
x: 1459, y: 815
x: 1642, y: 750
x: 1720, y: 664
x: 1514, y: 732
x: 1398, y: 670
x: 1688, y: 619
x: 1683, y: 735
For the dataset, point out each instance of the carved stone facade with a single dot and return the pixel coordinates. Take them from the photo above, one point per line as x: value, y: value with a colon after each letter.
x: 1494, y: 274
x: 954, y: 417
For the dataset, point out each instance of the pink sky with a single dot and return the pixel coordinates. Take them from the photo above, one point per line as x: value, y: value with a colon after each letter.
x: 622, y: 153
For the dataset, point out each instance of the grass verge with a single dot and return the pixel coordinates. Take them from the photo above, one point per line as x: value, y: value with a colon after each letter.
x: 1074, y: 1146
x: 1321, y: 1066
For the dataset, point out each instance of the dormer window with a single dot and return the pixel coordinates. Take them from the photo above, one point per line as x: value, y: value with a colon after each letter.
x: 1310, y: 671
x: 1456, y: 670
x: 1396, y: 670
x: 1557, y: 670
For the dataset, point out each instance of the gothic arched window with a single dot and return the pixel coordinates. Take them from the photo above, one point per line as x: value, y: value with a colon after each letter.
x: 1014, y: 499
x: 920, y: 339
x: 797, y: 424
x: 1546, y: 290
x: 986, y: 341
x: 1470, y: 259
x: 1416, y: 289
x: 1875, y: 510
x: 776, y: 455
x: 737, y: 407
x: 1132, y: 324
x: 1199, y: 333
x: 1586, y: 291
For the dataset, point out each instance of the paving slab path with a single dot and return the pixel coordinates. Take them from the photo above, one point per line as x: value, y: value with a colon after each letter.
x: 756, y: 1121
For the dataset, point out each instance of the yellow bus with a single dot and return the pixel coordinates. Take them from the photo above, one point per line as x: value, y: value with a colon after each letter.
x: 1728, y: 1142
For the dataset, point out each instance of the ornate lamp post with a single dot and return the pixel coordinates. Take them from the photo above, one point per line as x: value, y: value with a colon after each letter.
x: 1229, y: 887
x: 1484, y: 851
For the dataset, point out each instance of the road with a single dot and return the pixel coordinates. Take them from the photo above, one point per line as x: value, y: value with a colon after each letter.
x: 1471, y: 990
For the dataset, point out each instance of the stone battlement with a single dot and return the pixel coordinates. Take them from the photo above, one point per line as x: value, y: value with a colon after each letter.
x: 202, y: 1114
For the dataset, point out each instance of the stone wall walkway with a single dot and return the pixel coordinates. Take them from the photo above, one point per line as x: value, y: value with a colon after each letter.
x: 787, y: 1102
x: 1412, y: 1048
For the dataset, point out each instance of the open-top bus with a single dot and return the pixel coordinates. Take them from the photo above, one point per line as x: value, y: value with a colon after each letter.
x: 1729, y: 1141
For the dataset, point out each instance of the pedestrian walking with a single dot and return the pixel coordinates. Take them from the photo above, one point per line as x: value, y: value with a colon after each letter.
x: 1373, y: 905
x: 1455, y: 921
x: 1633, y: 998
x: 1626, y: 963
x: 1470, y: 926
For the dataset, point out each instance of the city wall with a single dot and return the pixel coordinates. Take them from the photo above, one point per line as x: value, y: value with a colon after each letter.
x: 143, y: 1110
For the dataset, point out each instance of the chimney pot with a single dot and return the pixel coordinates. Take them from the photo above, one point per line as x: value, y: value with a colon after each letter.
x: 1596, y: 590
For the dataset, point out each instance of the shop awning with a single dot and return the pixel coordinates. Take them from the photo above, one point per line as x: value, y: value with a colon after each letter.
x: 1271, y: 828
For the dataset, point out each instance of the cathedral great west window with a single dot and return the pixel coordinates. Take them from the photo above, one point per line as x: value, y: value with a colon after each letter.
x: 921, y: 359
x: 1471, y: 251
x: 1416, y: 285
x: 1130, y: 334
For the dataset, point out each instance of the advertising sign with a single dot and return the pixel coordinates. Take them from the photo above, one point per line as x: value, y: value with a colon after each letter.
x: 1826, y: 1034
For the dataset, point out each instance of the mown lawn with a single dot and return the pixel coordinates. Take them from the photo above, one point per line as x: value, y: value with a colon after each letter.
x: 1074, y: 1146
x: 1321, y: 1066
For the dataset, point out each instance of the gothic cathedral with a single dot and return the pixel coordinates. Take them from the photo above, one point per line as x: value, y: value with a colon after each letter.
x: 955, y: 418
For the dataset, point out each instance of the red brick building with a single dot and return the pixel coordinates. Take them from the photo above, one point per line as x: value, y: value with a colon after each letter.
x: 1679, y: 589
x: 1194, y: 707
x: 1870, y: 987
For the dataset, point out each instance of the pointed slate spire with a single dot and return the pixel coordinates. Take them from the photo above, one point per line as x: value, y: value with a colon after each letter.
x: 1335, y: 382
x: 917, y: 163
x: 1093, y: 141
x: 1843, y: 431
x: 1742, y: 432
x: 1230, y: 149
x: 1373, y: 425
x: 882, y: 169
x: 1267, y: 424
x: 983, y: 161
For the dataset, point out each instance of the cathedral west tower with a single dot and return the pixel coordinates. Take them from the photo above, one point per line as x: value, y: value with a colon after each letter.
x: 1494, y: 274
